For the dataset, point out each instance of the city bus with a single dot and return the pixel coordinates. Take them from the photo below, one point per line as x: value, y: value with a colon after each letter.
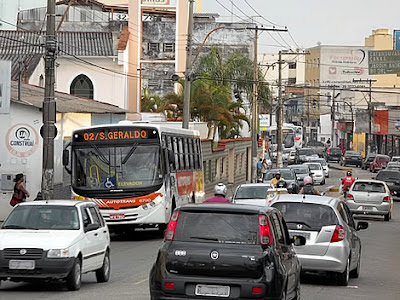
x: 136, y: 172
x: 292, y: 136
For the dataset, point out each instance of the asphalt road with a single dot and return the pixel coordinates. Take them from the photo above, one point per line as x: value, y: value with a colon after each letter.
x: 132, y: 257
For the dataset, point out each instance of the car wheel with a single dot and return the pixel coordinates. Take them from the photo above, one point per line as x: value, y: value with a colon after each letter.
x: 74, y: 278
x: 388, y: 216
x: 343, y: 278
x: 356, y: 272
x: 103, y: 274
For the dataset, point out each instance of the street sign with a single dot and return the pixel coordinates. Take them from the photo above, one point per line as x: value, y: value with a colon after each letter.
x: 384, y: 62
x: 396, y: 35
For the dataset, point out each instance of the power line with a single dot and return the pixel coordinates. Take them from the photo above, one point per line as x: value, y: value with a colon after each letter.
x: 265, y: 19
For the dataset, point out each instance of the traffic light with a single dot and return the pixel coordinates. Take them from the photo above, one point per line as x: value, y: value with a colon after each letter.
x: 314, y: 104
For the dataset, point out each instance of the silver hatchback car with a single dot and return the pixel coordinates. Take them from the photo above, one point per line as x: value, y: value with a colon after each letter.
x: 370, y: 197
x: 332, y: 242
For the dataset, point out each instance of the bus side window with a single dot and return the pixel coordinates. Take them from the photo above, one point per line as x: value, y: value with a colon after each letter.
x: 165, y: 154
x: 175, y: 147
x: 180, y: 151
x: 186, y: 152
x: 198, y: 153
x: 191, y: 154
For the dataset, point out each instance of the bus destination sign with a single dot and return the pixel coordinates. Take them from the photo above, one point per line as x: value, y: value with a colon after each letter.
x: 114, y: 134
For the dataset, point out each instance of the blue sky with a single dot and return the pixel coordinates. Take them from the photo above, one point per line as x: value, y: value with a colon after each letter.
x: 339, y: 22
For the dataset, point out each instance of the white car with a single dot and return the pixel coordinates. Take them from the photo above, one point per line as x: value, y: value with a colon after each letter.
x: 251, y: 193
x: 317, y: 172
x: 54, y: 240
x: 324, y: 165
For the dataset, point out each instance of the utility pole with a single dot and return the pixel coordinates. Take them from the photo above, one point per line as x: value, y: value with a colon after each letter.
x: 279, y: 121
x: 49, y: 105
x: 333, y: 118
x: 370, y: 111
x: 188, y: 70
x: 254, y: 123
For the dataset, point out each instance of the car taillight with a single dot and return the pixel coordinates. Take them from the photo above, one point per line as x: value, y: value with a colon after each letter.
x: 329, y: 151
x: 350, y: 197
x: 346, y: 157
x: 169, y: 285
x: 386, y: 199
x: 169, y: 233
x: 265, y: 231
x: 256, y: 290
x: 339, y: 234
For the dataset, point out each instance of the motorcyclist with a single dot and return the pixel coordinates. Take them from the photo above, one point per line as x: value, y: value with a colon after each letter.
x: 309, y: 188
x: 220, y: 190
x: 276, y: 179
x: 347, y: 182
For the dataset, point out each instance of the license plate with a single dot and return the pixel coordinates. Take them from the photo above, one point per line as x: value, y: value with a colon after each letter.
x: 21, y: 264
x: 367, y: 208
x: 117, y: 217
x: 306, y: 235
x: 212, y: 290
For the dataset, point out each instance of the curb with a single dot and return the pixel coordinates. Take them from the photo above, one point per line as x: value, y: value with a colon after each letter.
x: 340, y: 168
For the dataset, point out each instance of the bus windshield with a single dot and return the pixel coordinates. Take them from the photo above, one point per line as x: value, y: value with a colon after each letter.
x: 103, y: 167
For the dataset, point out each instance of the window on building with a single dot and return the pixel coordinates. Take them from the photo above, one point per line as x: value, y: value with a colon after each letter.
x: 168, y: 47
x: 41, y: 81
x: 153, y: 82
x: 154, y: 47
x: 291, y: 81
x: 292, y: 65
x: 82, y: 86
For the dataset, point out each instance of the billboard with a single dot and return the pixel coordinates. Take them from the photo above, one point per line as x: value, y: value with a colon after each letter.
x: 340, y: 65
x: 5, y: 86
x: 394, y: 122
x: 396, y: 36
x: 155, y: 2
x: 384, y: 62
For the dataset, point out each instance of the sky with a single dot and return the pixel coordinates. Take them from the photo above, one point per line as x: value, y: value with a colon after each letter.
x: 339, y: 22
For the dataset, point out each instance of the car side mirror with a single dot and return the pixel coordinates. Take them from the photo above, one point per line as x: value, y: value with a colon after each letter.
x: 362, y: 225
x: 91, y: 227
x: 298, y: 240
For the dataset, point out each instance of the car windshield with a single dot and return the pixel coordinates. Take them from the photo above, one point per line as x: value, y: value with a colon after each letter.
x: 252, y: 192
x: 369, y: 186
x: 321, y: 161
x: 371, y: 158
x: 335, y: 151
x: 383, y: 158
x: 314, y: 167
x: 105, y: 168
x: 384, y: 175
x: 220, y: 228
x: 307, y: 152
x: 393, y: 167
x: 354, y: 153
x: 301, y: 170
x: 306, y: 216
x: 285, y: 173
x: 396, y: 158
x: 51, y: 217
x: 315, y: 143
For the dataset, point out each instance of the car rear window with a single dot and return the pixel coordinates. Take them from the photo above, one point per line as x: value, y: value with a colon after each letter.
x: 397, y: 159
x: 384, y: 175
x: 212, y: 227
x: 354, y: 153
x: 372, y: 187
x: 252, y: 192
x: 306, y: 216
x: 306, y: 152
x: 383, y: 158
x: 314, y: 167
x: 301, y: 170
x: 286, y: 174
x: 335, y: 151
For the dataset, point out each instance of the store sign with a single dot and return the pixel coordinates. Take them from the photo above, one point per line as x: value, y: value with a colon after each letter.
x: 155, y: 2
x: 22, y: 140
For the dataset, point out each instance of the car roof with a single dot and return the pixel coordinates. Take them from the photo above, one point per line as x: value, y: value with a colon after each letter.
x: 312, y: 163
x: 55, y: 202
x: 383, y: 155
x: 279, y: 169
x: 368, y: 181
x: 325, y: 200
x: 226, y: 207
x: 297, y: 166
x: 254, y: 184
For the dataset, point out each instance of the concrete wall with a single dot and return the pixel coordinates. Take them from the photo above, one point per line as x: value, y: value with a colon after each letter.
x: 107, y: 86
x: 22, y: 125
x: 228, y: 163
x: 9, y: 10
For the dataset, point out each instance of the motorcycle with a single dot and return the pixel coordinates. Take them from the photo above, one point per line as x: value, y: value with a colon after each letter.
x: 345, y: 190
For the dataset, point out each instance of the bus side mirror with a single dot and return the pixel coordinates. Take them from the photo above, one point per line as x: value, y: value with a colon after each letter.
x: 65, y: 158
x: 171, y: 156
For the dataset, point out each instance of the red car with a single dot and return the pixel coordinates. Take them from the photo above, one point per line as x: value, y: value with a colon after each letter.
x: 379, y: 163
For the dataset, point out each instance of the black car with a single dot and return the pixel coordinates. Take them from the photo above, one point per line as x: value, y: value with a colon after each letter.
x: 301, y: 171
x: 288, y: 175
x: 333, y: 154
x: 367, y: 161
x: 226, y: 251
x: 392, y: 179
x: 351, y: 158
x: 318, y: 146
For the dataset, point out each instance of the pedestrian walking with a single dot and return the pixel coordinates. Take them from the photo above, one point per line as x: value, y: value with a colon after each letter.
x: 20, y: 193
x: 264, y: 169
x: 259, y: 168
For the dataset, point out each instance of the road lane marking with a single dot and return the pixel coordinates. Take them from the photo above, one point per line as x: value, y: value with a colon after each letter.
x: 141, y: 281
